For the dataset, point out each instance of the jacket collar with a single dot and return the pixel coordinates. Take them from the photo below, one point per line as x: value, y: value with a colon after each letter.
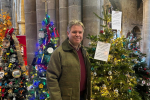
x: 66, y: 46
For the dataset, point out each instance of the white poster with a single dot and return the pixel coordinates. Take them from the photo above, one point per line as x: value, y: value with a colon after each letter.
x: 116, y: 20
x: 102, y: 51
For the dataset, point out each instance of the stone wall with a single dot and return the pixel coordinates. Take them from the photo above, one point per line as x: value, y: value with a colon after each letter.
x: 131, y: 16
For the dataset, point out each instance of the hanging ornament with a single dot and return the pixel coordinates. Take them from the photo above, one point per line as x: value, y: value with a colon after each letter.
x: 143, y: 59
x: 6, y: 43
x: 1, y: 74
x: 0, y: 83
x: 143, y: 82
x: 50, y: 50
x: 116, y: 94
x: 92, y: 68
x: 41, y: 85
x: 10, y: 64
x: 144, y: 69
x: 42, y: 96
x: 109, y: 73
x: 36, y: 67
x: 101, y: 31
x: 10, y: 91
x: 35, y: 83
x: 5, y: 68
x: 123, y: 56
x: 40, y: 51
x: 6, y: 73
x: 16, y: 73
x: 94, y: 73
x: 148, y: 84
x: 41, y: 34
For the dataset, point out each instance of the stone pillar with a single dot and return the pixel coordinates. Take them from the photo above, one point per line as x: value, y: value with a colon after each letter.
x: 74, y: 10
x: 14, y: 16
x: 145, y: 45
x: 63, y: 19
x: 21, y: 17
x: 31, y: 29
x: 101, y: 14
x: 40, y: 14
x: 90, y: 21
x: 52, y: 11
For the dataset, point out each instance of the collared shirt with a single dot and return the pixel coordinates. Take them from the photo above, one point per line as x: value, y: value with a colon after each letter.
x: 77, y: 49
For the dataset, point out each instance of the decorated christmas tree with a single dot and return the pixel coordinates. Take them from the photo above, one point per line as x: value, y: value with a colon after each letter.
x: 140, y: 66
x: 12, y: 69
x: 112, y: 74
x: 48, y: 37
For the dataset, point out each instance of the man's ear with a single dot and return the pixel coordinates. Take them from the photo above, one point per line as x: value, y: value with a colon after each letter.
x: 67, y: 33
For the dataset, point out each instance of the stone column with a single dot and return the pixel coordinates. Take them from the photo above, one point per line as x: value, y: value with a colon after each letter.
x: 21, y: 17
x: 31, y: 28
x: 40, y: 14
x: 101, y: 14
x: 14, y: 17
x: 90, y: 21
x: 63, y: 19
x: 145, y: 45
x: 74, y: 10
x: 52, y: 11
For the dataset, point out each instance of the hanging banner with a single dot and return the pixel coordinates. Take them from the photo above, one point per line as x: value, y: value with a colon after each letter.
x: 22, y: 44
x: 116, y: 20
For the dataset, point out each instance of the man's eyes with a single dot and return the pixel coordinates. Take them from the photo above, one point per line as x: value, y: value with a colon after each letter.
x: 76, y: 32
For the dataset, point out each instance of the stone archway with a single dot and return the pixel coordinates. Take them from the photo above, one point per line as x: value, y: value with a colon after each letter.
x: 136, y: 32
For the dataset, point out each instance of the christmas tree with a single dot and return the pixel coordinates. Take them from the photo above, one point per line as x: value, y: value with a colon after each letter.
x: 12, y: 69
x: 111, y: 79
x: 140, y: 66
x: 48, y: 37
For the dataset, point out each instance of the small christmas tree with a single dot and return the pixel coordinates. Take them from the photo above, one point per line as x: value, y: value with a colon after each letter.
x: 111, y: 79
x: 48, y: 38
x: 12, y: 69
x: 140, y: 66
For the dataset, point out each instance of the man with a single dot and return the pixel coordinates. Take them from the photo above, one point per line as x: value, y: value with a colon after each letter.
x: 68, y: 73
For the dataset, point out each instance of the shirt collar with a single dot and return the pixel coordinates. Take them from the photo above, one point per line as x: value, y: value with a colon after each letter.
x: 74, y: 46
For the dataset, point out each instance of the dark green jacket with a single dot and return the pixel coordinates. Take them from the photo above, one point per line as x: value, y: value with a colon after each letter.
x: 63, y: 73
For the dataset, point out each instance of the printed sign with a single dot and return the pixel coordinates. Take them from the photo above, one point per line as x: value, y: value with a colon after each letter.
x: 102, y: 51
x: 116, y: 20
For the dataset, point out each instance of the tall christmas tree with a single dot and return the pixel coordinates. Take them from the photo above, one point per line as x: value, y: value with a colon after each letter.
x: 12, y: 70
x: 140, y: 66
x: 48, y: 37
x: 111, y: 78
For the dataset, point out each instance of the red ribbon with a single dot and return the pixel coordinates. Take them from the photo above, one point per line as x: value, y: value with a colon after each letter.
x: 9, y: 32
x: 48, y: 33
x: 56, y: 32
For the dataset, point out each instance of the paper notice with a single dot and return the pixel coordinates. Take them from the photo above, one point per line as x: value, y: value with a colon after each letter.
x: 102, y: 51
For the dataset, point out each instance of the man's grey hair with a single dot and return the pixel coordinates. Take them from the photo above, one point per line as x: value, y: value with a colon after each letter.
x: 75, y: 22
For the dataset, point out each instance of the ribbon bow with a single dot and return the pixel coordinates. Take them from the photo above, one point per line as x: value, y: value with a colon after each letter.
x: 9, y: 32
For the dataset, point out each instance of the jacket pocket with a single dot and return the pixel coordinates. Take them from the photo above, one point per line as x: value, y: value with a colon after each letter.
x: 66, y: 93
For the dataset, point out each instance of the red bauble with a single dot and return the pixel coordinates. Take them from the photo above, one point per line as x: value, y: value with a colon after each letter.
x: 3, y: 90
x: 144, y: 68
x: 147, y: 73
x: 101, y: 31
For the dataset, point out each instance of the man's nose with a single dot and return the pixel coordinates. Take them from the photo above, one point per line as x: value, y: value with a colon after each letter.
x: 77, y: 34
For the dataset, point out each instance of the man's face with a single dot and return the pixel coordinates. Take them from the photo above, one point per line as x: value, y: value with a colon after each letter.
x: 75, y: 35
